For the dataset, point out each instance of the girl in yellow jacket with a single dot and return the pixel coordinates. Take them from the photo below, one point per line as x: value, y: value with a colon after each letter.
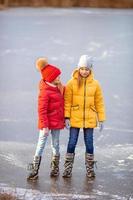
x: 84, y: 108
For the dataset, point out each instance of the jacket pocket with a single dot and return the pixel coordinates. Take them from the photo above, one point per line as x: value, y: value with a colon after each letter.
x: 93, y: 108
x: 75, y: 107
x: 95, y: 114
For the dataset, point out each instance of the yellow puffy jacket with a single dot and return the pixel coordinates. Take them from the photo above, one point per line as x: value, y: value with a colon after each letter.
x: 85, y: 105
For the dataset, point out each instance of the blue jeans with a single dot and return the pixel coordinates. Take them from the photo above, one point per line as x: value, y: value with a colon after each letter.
x: 42, y: 142
x: 88, y: 140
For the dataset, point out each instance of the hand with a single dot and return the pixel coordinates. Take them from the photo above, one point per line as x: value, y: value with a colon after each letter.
x: 67, y: 123
x: 101, y: 126
x: 45, y: 131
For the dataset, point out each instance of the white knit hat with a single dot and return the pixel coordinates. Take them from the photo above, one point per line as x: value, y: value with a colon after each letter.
x: 85, y: 61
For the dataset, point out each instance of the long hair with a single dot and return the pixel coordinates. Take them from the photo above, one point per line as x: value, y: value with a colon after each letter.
x: 61, y: 88
x: 79, y: 80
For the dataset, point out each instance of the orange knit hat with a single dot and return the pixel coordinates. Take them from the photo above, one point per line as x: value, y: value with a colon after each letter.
x: 49, y: 72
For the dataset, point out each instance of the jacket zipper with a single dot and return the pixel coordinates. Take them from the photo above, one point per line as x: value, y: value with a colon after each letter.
x: 84, y: 103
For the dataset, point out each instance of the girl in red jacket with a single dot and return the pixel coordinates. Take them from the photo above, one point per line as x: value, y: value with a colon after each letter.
x: 50, y: 116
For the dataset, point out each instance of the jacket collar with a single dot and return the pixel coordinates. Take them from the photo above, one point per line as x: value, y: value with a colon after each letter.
x: 47, y: 86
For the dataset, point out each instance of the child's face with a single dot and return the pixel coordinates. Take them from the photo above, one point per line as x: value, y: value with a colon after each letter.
x: 84, y: 71
x: 56, y: 81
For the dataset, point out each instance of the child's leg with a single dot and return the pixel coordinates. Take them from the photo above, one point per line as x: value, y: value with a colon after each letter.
x: 73, y: 138
x: 89, y: 155
x: 41, y: 144
x: 34, y: 166
x: 88, y: 139
x: 55, y: 153
x: 55, y: 142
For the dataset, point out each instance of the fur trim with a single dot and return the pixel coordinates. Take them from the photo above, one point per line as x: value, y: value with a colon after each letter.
x: 75, y: 73
x: 41, y: 63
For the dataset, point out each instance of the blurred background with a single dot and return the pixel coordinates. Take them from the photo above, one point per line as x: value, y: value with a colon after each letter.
x: 70, y: 3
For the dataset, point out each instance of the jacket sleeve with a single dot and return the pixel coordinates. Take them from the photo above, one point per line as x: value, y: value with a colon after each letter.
x: 68, y: 99
x: 42, y: 109
x: 99, y: 103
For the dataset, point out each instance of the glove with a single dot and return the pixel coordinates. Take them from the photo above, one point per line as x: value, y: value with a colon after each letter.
x: 45, y: 131
x: 67, y: 123
x: 101, y: 126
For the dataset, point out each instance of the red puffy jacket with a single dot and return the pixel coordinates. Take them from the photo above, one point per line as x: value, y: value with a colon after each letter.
x: 50, y: 107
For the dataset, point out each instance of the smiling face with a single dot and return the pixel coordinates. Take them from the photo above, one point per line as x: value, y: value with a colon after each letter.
x: 84, y: 71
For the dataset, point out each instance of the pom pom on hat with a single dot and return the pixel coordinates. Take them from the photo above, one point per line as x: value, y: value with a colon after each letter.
x: 85, y: 61
x: 41, y: 63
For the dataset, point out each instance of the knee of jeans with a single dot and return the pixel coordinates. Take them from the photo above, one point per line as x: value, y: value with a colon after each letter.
x: 73, y: 141
x: 71, y: 145
x: 89, y: 139
x: 55, y: 148
x: 55, y: 144
x: 43, y: 138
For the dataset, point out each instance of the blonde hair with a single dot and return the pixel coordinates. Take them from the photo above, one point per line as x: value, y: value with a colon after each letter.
x: 79, y: 80
x: 61, y: 88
